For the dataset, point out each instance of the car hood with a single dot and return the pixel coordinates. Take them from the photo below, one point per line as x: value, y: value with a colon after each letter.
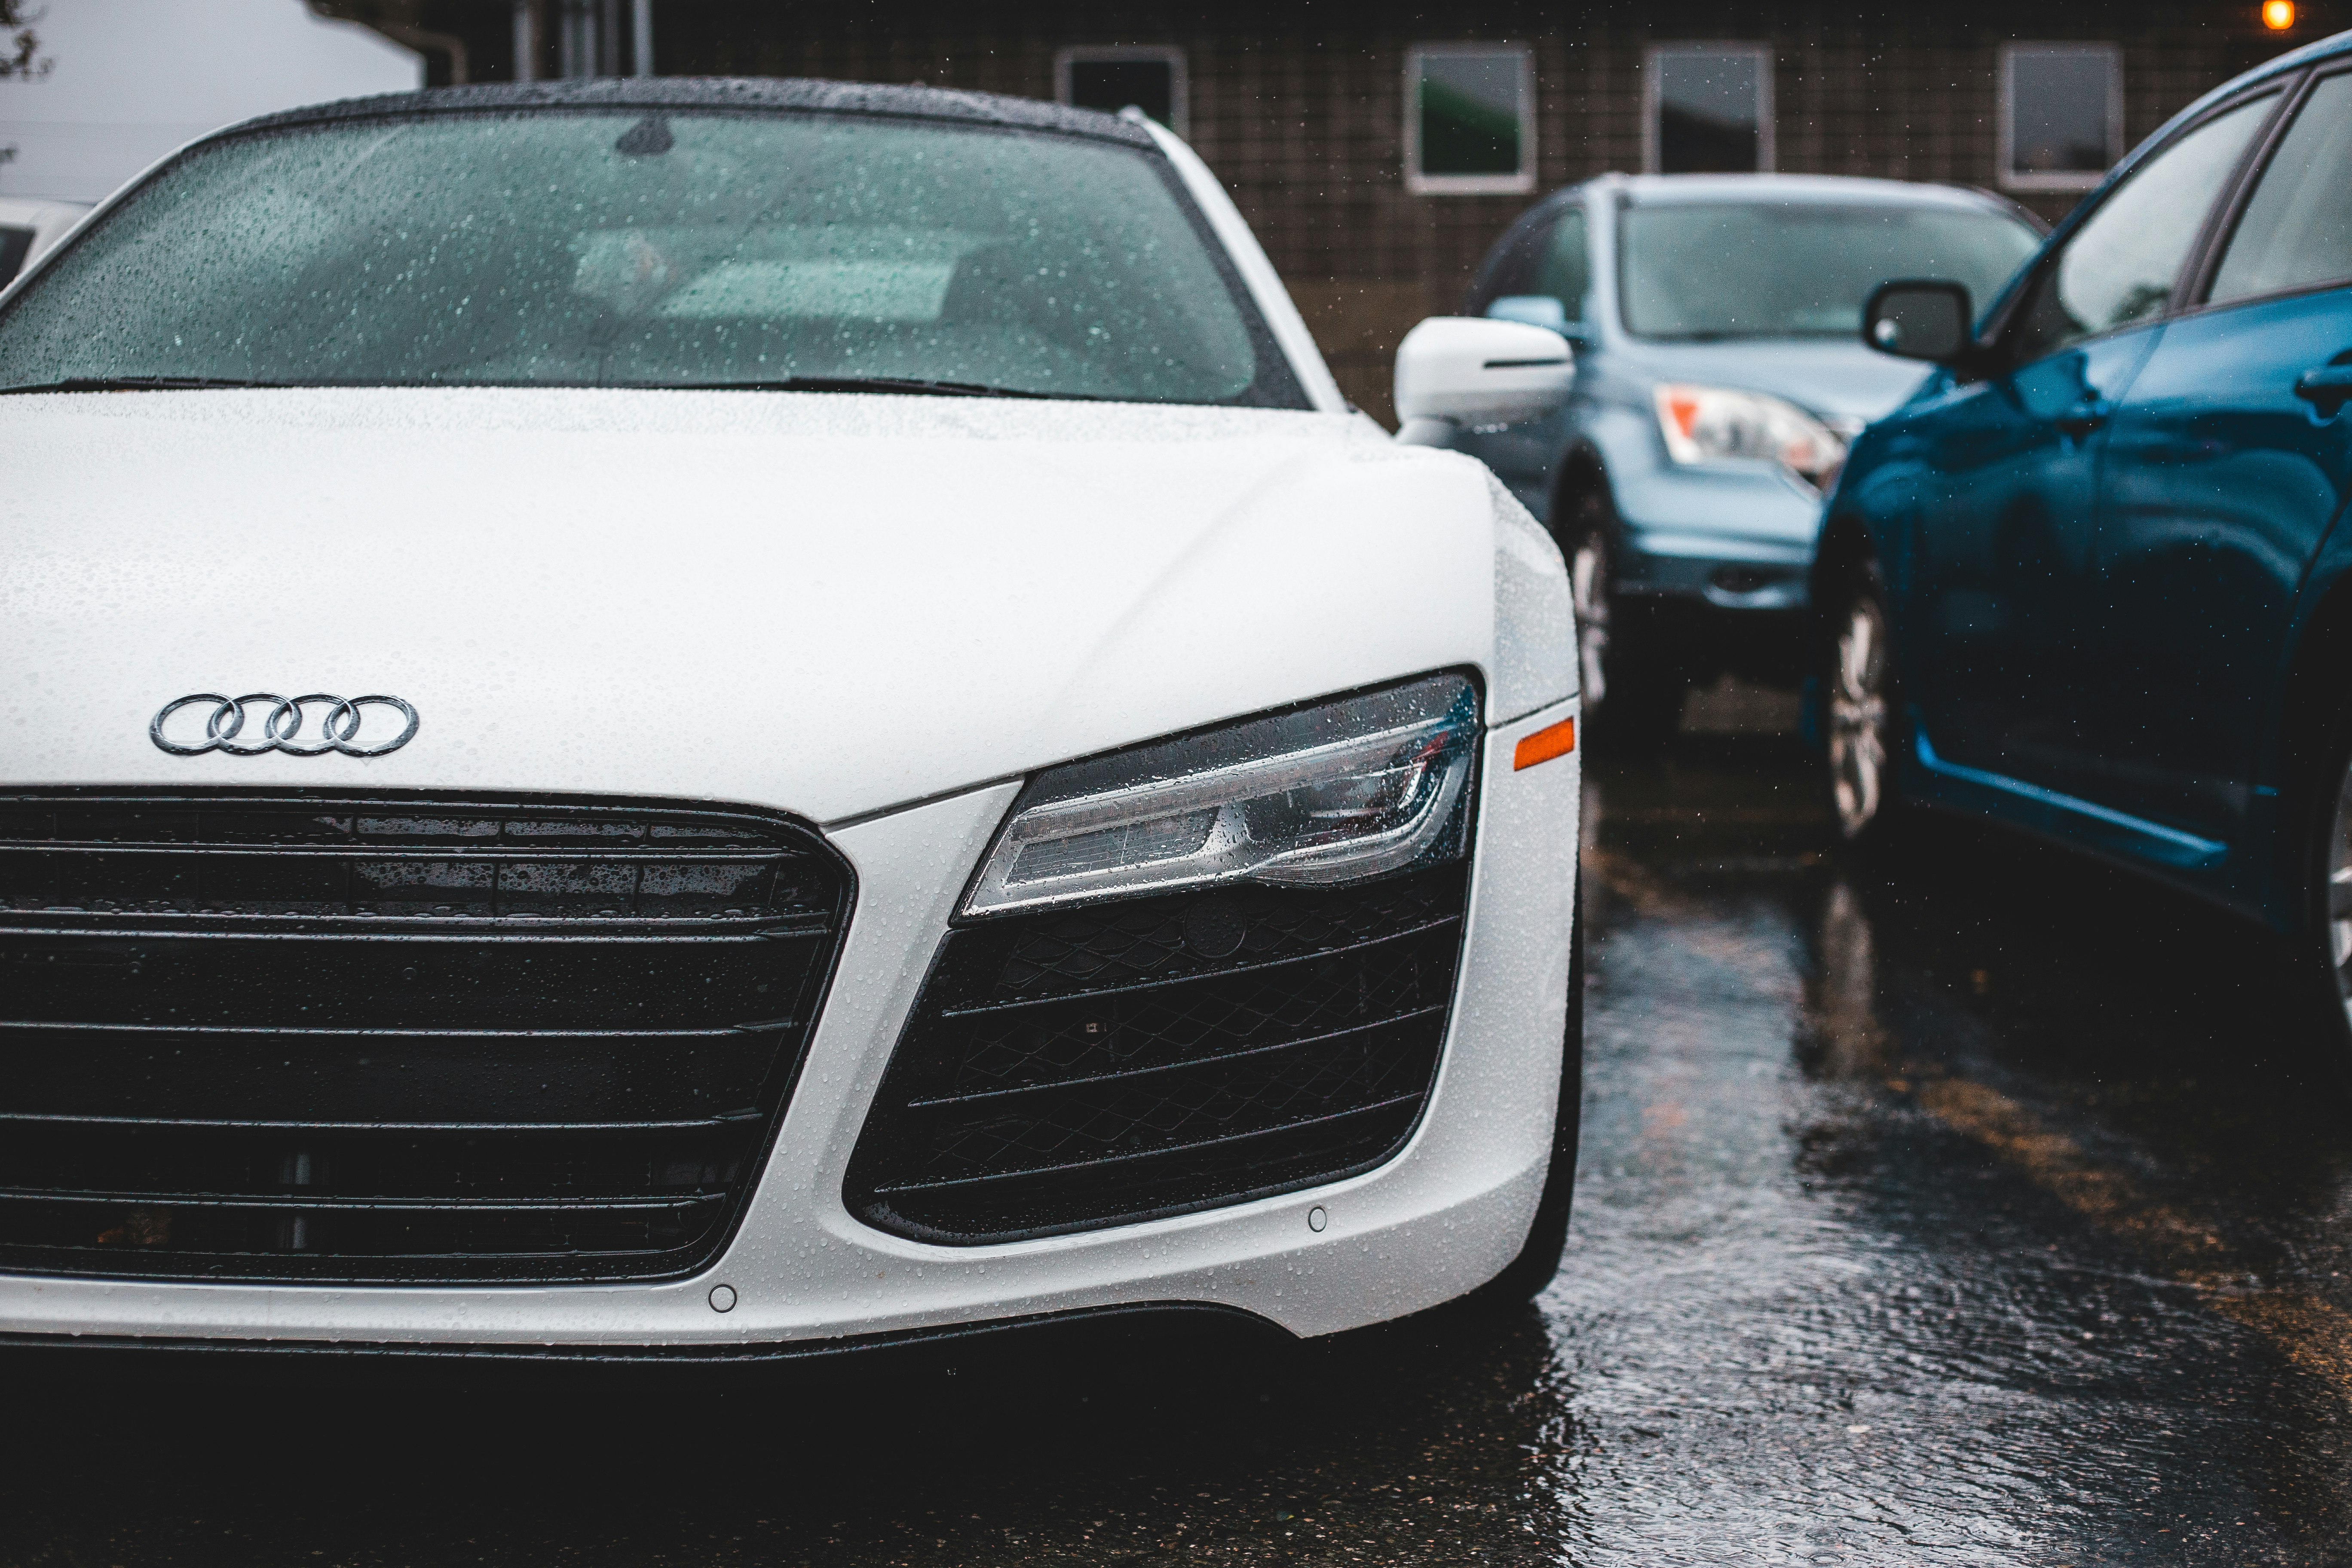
x: 832, y: 605
x: 1836, y: 378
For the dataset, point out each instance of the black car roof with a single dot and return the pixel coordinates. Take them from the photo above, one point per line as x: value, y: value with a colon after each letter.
x: 741, y: 93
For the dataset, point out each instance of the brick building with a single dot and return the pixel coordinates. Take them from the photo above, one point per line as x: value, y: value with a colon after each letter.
x: 1379, y: 147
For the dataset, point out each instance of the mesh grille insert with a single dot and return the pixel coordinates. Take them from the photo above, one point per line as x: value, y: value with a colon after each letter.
x: 319, y: 1038
x: 1090, y: 1068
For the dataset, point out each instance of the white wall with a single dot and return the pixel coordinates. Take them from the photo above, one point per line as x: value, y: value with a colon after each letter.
x: 134, y: 79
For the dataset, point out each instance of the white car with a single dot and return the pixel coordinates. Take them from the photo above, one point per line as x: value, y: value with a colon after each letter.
x: 719, y: 719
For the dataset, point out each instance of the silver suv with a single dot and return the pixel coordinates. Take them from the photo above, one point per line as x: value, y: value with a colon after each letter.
x: 1720, y: 375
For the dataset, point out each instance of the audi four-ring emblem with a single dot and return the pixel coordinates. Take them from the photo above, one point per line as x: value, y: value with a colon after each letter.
x: 281, y: 725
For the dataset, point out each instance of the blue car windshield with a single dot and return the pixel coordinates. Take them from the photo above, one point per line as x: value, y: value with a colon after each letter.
x: 672, y: 249
x: 1705, y: 271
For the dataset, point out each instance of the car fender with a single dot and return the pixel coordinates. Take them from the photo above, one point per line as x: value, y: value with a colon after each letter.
x: 2308, y: 684
x: 1618, y: 442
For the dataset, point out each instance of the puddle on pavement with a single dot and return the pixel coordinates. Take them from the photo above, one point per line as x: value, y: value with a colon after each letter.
x: 1945, y: 1207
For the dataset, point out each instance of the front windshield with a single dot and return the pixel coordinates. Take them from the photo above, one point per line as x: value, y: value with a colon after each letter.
x: 662, y: 249
x: 1700, y: 271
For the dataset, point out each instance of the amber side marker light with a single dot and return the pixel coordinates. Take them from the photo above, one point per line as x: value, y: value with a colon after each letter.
x: 2278, y: 15
x: 1551, y: 741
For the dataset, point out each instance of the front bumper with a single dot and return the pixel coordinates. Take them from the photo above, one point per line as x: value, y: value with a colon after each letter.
x: 1734, y: 537
x: 1440, y: 1219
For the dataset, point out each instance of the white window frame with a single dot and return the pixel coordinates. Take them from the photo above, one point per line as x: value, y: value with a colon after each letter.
x: 1422, y: 185
x: 1768, y: 151
x: 1180, y: 88
x: 2005, y: 130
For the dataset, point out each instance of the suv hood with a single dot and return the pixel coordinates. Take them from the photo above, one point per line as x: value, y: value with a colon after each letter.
x: 1836, y: 378
x: 828, y: 603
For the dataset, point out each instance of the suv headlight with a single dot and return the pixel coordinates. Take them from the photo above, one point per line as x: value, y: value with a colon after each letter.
x: 1333, y: 792
x: 1709, y: 424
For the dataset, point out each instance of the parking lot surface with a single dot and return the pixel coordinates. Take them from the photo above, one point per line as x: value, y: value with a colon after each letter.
x: 1982, y: 1207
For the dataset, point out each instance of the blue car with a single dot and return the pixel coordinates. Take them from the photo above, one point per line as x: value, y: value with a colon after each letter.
x: 2094, y: 580
x: 1718, y: 383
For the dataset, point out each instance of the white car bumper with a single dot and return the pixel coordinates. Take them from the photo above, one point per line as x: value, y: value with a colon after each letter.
x: 1439, y: 1220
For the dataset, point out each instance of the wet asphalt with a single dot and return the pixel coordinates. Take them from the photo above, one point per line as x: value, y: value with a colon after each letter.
x: 1980, y: 1207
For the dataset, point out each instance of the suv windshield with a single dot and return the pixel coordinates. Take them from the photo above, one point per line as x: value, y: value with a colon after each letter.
x: 1788, y: 269
x: 663, y: 249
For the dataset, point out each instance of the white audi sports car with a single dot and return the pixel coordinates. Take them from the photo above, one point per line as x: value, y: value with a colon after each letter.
x: 709, y: 719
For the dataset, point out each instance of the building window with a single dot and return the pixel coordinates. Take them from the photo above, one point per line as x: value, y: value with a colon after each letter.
x: 1469, y: 119
x: 591, y: 38
x: 1113, y: 78
x: 1708, y: 108
x: 2061, y: 115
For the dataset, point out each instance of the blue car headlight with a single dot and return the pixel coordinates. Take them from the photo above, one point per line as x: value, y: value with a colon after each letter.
x: 1711, y: 424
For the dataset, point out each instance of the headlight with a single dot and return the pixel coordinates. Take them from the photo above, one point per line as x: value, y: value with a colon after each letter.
x: 1708, y: 424
x: 1333, y: 792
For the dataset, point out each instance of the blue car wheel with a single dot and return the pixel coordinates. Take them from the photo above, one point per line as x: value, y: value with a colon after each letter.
x: 2331, y: 891
x: 1858, y: 713
x: 1634, y: 685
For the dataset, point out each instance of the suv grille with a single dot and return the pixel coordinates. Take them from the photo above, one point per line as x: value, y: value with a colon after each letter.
x: 1072, y: 1070
x: 315, y: 1038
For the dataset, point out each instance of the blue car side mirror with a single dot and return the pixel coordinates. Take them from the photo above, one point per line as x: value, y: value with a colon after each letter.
x: 1918, y: 319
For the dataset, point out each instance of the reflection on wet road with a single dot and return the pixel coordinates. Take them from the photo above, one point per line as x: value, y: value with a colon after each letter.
x: 1978, y: 1210
x: 1982, y: 1210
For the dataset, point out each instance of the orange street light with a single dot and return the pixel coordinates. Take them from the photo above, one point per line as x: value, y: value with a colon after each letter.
x: 2278, y: 15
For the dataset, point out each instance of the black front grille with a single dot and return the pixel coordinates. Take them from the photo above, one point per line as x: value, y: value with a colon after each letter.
x: 1066, y: 1070
x: 390, y: 1041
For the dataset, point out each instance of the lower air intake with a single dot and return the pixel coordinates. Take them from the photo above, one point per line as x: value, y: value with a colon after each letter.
x: 1083, y: 1069
x: 385, y: 1041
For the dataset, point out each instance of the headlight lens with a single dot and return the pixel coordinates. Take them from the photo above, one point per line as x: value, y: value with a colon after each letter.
x: 1334, y: 793
x: 1709, y: 424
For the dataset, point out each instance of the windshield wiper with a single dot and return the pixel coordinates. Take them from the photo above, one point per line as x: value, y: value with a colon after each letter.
x: 135, y: 384
x: 860, y: 383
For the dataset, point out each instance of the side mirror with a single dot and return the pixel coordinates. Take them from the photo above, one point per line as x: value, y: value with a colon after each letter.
x: 1918, y: 320
x: 1535, y: 309
x: 1453, y: 371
